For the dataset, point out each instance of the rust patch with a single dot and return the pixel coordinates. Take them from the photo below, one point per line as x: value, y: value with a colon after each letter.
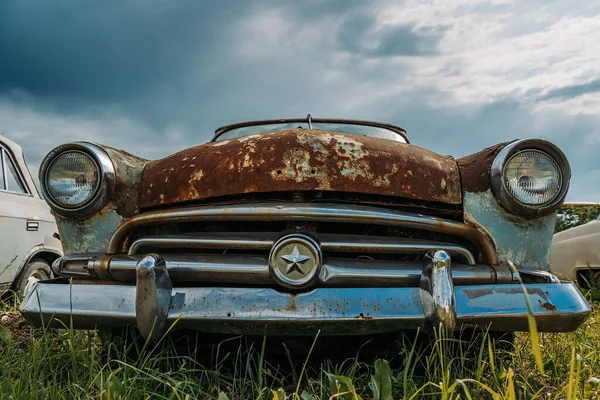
x: 548, y: 306
x: 475, y: 169
x: 128, y: 173
x: 101, y: 268
x: 301, y: 160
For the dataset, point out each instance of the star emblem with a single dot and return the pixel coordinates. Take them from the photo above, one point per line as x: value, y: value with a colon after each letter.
x: 295, y: 261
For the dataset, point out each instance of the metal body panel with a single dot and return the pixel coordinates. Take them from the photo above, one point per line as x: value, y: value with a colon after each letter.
x: 301, y: 160
x: 575, y: 249
x: 557, y: 308
x: 90, y: 235
x: 524, y: 242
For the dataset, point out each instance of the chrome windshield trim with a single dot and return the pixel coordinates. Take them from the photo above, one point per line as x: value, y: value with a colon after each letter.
x: 396, y: 129
x: 322, y: 212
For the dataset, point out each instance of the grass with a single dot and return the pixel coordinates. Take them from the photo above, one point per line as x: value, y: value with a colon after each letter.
x: 67, y: 364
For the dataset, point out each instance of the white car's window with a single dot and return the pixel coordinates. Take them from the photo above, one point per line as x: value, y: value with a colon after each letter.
x: 10, y: 177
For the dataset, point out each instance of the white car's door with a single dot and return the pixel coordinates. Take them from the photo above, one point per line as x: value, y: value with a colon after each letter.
x: 25, y: 221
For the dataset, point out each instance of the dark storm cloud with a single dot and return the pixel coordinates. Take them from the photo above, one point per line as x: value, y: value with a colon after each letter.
x: 572, y: 91
x: 359, y: 35
x: 101, y: 51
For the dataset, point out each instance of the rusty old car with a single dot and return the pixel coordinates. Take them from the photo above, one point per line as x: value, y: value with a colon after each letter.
x: 295, y: 226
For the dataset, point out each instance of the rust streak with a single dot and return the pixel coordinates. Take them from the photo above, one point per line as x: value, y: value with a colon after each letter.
x: 365, y: 317
x: 292, y: 306
x: 549, y: 306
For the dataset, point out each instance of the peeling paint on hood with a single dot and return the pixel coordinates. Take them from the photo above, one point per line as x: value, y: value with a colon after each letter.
x: 301, y: 160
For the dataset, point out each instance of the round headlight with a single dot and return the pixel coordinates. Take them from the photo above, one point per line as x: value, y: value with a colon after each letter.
x: 72, y: 179
x: 532, y: 177
x: 77, y: 179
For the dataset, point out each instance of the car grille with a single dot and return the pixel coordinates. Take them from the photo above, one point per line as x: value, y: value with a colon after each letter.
x: 230, y: 244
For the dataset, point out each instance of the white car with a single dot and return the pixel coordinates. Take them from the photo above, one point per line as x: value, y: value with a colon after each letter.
x: 575, y: 252
x: 29, y: 239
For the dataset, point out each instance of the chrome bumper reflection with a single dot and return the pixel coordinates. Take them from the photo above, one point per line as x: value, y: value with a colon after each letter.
x: 557, y: 308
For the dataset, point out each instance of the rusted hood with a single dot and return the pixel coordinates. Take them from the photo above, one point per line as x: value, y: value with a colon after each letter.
x: 298, y: 160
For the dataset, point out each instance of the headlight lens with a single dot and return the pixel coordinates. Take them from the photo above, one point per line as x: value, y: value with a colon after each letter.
x: 72, y: 179
x: 532, y: 177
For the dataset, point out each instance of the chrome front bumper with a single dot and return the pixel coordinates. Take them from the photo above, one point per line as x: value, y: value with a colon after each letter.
x: 154, y: 305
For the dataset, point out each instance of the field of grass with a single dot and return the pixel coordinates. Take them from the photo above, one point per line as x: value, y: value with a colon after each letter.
x: 67, y: 364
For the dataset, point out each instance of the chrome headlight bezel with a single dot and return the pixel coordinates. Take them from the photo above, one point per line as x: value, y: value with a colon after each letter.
x: 106, y: 179
x: 498, y: 182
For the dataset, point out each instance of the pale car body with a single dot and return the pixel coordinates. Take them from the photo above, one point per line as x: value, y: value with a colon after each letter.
x: 304, y: 225
x: 575, y: 253
x: 29, y: 240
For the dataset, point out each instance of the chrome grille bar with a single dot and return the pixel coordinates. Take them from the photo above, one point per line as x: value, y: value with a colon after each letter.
x: 264, y: 241
x: 334, y: 213
x: 254, y: 271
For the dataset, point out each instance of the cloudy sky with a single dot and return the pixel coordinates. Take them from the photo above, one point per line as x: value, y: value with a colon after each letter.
x: 154, y: 76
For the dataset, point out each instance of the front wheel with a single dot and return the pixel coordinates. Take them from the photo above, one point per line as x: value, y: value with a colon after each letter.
x: 36, y: 270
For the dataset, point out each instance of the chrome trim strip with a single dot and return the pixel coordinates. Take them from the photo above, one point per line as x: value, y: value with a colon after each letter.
x: 334, y: 213
x: 390, y: 245
x: 264, y: 241
x: 223, y: 269
x: 217, y: 240
x: 557, y: 308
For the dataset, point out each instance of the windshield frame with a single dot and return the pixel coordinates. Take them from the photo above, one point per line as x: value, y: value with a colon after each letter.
x: 396, y: 129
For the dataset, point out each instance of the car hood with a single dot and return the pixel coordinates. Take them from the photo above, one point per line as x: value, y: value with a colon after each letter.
x: 301, y: 160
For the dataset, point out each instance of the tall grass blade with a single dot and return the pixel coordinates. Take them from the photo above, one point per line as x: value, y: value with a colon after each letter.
x: 296, y: 396
x: 533, y: 332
